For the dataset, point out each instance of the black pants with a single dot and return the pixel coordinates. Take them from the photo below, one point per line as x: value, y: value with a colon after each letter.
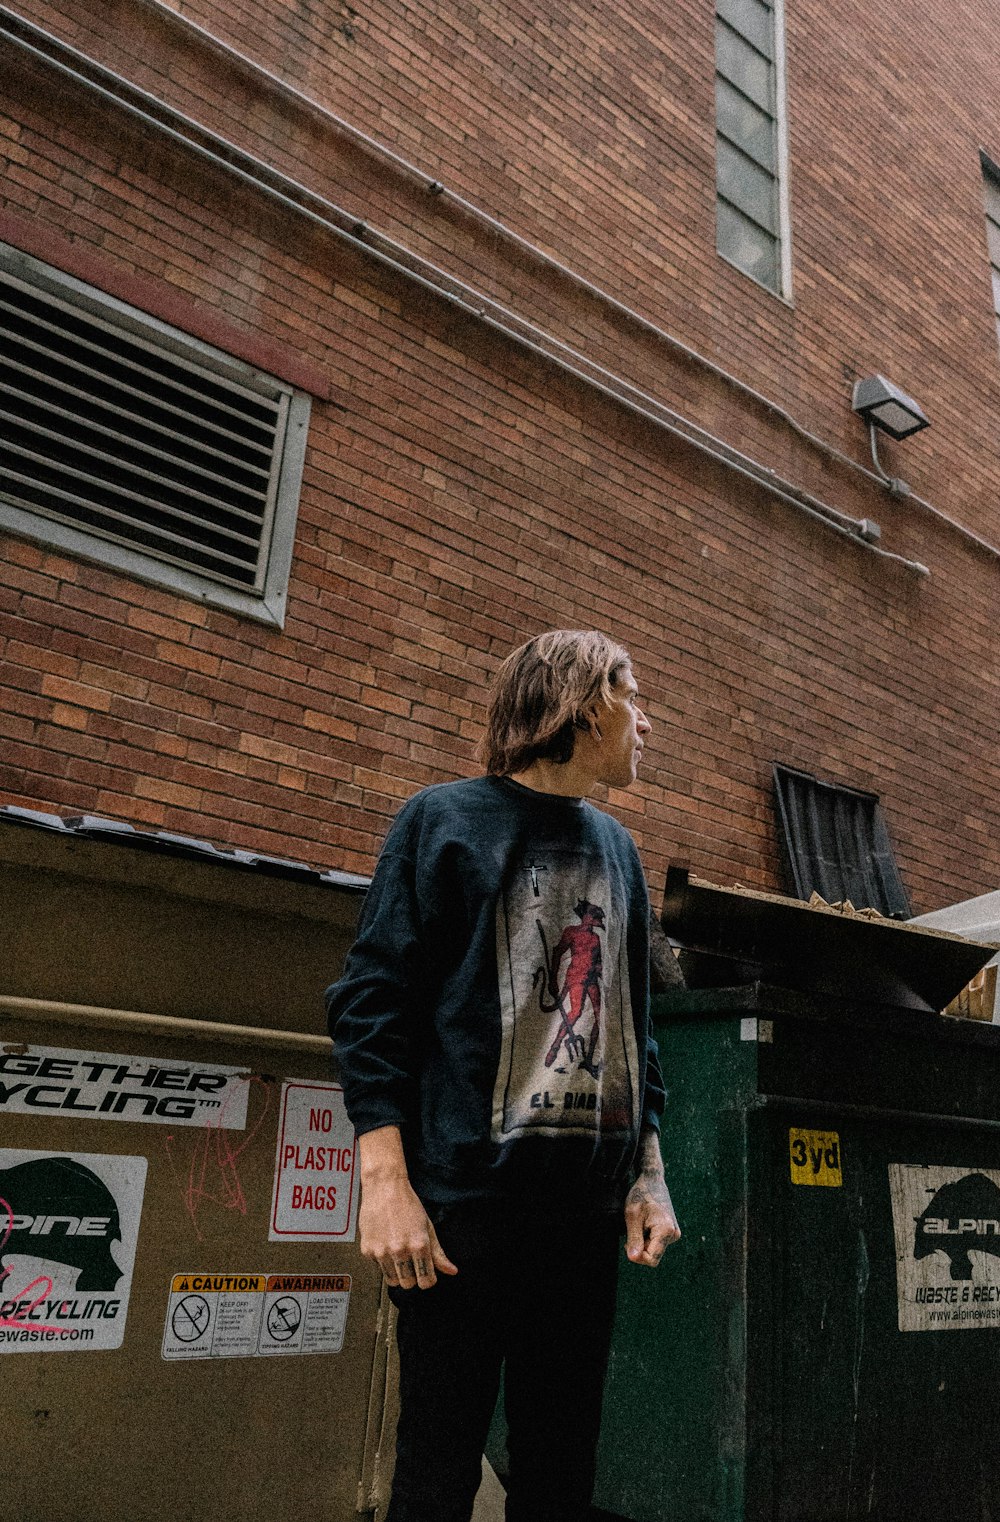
x: 536, y: 1296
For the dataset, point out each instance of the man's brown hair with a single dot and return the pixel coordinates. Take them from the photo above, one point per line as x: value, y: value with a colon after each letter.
x: 541, y: 694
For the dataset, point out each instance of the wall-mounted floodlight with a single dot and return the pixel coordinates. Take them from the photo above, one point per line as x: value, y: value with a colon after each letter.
x: 880, y: 402
x: 884, y: 406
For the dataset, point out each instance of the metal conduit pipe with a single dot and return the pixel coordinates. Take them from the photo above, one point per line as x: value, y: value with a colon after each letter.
x: 264, y: 178
x: 899, y: 489
x: 57, y: 1012
x: 942, y: 517
x: 437, y: 188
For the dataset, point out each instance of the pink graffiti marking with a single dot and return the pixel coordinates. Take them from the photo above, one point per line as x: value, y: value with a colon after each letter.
x: 23, y: 1323
x: 213, y: 1177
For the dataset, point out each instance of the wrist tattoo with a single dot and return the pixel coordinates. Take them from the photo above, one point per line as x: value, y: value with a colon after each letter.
x: 649, y: 1190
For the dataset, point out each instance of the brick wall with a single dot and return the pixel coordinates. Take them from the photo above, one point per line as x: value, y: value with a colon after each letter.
x: 460, y: 493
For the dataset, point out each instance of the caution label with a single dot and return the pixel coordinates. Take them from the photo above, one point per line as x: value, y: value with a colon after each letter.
x: 814, y: 1157
x: 315, y: 1170
x: 219, y: 1283
x: 255, y: 1315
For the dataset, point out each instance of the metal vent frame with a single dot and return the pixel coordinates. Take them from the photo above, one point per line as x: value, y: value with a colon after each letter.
x: 991, y: 196
x: 262, y: 529
x: 836, y: 843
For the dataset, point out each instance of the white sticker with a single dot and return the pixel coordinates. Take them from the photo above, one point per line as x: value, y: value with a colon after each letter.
x: 255, y: 1315
x: 947, y: 1228
x: 315, y: 1178
x: 69, y: 1223
x: 166, y: 1091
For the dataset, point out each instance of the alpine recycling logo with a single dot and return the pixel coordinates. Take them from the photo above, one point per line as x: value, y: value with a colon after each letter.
x: 962, y: 1215
x: 65, y: 1214
x: 947, y: 1230
x: 69, y: 1226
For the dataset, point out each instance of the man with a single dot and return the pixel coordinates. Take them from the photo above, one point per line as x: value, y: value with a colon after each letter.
x: 492, y: 1034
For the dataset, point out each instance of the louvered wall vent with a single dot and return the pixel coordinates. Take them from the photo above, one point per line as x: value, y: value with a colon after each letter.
x: 117, y: 431
x: 837, y: 844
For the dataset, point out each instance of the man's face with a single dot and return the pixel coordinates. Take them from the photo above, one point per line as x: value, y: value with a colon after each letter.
x: 619, y: 732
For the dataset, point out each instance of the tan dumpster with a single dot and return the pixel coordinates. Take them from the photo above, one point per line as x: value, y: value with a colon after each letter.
x: 187, y: 1329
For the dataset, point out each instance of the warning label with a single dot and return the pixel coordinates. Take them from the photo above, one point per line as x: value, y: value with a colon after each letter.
x: 315, y: 1177
x: 255, y: 1315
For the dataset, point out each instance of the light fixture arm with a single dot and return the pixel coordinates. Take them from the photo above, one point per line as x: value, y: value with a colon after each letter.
x: 897, y: 487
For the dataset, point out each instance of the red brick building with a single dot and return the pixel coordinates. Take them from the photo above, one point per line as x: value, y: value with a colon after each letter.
x: 466, y: 259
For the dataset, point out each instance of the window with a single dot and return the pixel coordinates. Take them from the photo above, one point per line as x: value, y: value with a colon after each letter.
x: 837, y: 845
x: 128, y: 442
x: 991, y: 188
x: 751, y: 208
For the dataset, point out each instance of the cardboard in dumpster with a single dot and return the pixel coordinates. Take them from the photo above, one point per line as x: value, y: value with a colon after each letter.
x: 735, y: 936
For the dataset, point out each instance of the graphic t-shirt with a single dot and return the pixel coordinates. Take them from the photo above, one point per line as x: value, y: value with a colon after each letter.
x: 495, y: 1003
x: 568, y: 1057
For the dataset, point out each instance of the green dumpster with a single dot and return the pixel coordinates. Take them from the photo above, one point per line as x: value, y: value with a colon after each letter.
x: 822, y: 1344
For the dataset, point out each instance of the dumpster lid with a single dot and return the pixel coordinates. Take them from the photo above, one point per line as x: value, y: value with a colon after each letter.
x: 168, y: 843
x: 734, y: 936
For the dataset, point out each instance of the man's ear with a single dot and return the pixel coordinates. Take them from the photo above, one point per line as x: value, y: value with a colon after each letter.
x: 588, y: 720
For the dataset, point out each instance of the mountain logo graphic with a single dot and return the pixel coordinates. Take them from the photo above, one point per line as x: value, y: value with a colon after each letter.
x: 962, y: 1215
x: 64, y: 1213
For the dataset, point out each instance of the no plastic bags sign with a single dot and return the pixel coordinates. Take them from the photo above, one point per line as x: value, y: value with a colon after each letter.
x: 315, y: 1170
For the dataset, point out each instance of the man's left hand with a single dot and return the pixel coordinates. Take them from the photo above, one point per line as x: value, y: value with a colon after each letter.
x: 650, y: 1222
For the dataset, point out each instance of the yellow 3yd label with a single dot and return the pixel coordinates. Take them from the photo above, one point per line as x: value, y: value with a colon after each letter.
x: 814, y: 1157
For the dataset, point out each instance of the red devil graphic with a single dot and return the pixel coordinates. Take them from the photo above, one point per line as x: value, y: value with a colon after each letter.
x: 581, y: 983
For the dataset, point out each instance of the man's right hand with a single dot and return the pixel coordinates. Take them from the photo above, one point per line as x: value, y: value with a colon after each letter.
x: 395, y: 1229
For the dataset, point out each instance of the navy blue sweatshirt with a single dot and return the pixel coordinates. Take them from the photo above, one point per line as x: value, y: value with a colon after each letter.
x: 495, y: 1005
